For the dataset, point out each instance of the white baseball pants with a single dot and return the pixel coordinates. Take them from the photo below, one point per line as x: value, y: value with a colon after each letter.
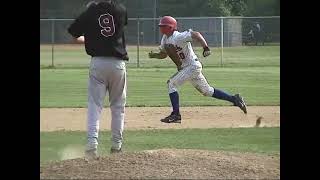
x: 193, y: 74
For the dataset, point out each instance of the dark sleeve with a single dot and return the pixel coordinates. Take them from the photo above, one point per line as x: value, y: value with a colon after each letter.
x: 126, y: 18
x: 76, y: 29
x: 123, y: 10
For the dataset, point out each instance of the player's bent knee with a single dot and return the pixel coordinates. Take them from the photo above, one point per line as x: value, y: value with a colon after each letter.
x: 207, y: 92
x: 171, y: 87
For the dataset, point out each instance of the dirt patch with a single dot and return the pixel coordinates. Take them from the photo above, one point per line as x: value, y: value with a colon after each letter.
x: 52, y: 119
x: 168, y: 164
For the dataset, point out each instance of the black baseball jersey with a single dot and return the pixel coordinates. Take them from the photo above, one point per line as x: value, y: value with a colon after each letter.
x: 102, y: 25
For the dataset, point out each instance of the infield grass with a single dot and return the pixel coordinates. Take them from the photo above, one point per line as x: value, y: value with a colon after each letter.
x: 70, y: 144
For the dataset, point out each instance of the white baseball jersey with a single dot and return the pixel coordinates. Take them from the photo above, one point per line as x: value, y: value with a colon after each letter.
x: 191, y: 66
x: 181, y: 40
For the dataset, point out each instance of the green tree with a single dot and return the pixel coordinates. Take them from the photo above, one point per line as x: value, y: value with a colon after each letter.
x: 262, y: 8
x: 192, y: 8
x: 236, y: 7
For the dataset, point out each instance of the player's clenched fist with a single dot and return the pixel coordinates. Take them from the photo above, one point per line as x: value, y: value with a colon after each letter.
x: 206, y: 51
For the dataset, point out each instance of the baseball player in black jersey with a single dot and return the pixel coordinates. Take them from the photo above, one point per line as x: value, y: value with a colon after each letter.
x: 100, y: 28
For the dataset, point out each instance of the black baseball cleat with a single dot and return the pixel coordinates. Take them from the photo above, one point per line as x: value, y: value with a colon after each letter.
x: 113, y: 151
x: 240, y: 103
x: 172, y: 118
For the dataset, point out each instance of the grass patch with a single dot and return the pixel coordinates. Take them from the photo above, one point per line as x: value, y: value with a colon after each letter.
x: 147, y: 86
x: 74, y: 56
x: 256, y: 140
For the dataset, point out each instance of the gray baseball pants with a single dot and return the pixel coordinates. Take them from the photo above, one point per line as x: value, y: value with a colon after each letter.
x: 106, y: 74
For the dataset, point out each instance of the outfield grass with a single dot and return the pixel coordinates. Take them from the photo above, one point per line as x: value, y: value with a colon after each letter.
x: 257, y: 140
x: 74, y: 56
x: 147, y: 87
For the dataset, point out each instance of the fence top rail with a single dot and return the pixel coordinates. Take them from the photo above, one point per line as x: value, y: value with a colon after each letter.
x: 191, y: 18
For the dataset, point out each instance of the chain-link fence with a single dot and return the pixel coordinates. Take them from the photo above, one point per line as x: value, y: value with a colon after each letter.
x: 235, y: 41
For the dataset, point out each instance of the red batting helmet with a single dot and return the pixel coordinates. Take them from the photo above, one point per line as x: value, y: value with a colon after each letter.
x: 168, y: 21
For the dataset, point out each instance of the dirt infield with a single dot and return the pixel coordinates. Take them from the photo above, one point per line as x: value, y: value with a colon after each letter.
x: 168, y: 164
x: 52, y: 119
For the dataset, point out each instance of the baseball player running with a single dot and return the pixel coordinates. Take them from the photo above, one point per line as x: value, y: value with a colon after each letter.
x: 177, y: 46
x: 101, y: 27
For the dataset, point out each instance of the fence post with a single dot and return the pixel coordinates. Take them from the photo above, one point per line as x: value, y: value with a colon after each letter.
x: 52, y: 43
x: 138, y: 43
x: 221, y: 41
x: 154, y: 20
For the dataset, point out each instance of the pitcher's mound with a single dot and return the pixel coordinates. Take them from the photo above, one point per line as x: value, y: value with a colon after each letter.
x: 168, y: 164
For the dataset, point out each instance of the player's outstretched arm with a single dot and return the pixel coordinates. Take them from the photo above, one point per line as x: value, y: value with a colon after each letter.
x: 198, y: 37
x: 158, y: 55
